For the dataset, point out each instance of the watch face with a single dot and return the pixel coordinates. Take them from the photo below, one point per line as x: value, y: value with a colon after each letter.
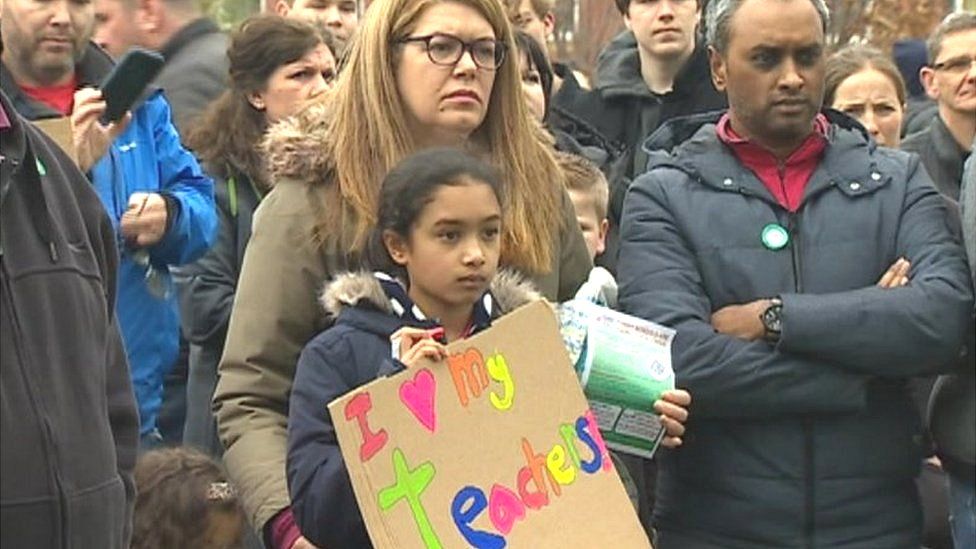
x: 771, y: 319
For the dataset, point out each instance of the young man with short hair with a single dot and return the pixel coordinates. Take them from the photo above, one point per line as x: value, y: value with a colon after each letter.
x: 654, y: 71
x: 651, y: 73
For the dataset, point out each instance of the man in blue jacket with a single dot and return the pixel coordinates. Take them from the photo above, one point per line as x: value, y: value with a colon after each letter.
x: 761, y: 234
x: 160, y: 202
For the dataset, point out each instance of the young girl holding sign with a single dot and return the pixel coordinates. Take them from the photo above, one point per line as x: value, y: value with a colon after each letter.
x: 436, y: 248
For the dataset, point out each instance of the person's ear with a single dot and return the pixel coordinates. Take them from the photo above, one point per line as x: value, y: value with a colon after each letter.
x: 281, y: 8
x: 256, y: 100
x: 396, y: 246
x: 927, y: 76
x: 627, y: 20
x: 601, y: 244
x: 549, y: 22
x: 719, y: 69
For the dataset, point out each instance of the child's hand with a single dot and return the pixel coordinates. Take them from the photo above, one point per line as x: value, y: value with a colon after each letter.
x: 416, y: 344
x: 673, y: 407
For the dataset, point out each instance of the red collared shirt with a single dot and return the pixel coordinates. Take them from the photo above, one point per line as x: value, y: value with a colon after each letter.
x: 786, y: 181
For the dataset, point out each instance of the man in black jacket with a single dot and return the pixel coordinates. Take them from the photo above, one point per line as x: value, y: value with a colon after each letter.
x: 762, y: 235
x: 69, y: 423
x: 647, y: 75
x: 950, y: 79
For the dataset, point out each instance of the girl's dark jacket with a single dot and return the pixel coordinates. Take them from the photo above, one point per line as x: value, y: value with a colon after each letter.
x: 813, y: 441
x: 68, y: 421
x: 355, y: 351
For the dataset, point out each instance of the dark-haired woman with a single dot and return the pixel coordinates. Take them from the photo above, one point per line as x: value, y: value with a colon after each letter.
x: 276, y: 64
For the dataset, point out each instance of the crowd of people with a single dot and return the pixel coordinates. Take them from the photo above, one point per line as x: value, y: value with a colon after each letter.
x: 184, y: 290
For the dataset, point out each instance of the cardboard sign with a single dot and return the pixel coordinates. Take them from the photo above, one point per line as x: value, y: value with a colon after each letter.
x: 493, y: 447
x: 59, y: 130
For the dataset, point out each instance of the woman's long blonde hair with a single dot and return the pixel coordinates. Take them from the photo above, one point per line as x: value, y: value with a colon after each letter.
x: 368, y: 134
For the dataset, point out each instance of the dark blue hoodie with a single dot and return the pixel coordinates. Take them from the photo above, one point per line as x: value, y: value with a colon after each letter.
x: 353, y: 352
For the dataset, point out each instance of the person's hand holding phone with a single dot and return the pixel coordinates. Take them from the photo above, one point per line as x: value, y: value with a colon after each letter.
x: 144, y: 222
x: 91, y: 138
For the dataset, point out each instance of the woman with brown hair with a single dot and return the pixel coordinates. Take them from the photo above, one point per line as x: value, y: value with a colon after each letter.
x: 865, y: 84
x: 421, y: 73
x: 276, y: 64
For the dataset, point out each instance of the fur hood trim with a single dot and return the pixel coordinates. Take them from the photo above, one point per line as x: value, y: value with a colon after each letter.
x: 295, y: 147
x: 509, y: 289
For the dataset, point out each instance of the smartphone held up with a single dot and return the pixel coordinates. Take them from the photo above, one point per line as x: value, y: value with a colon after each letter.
x: 127, y: 82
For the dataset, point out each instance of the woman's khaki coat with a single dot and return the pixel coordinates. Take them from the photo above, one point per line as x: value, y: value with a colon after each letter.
x: 276, y: 312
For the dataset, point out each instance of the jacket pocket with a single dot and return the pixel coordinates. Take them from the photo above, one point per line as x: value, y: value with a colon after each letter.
x: 30, y: 523
x: 98, y: 516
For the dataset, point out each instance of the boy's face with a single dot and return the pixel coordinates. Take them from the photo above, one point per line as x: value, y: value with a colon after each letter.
x: 594, y: 228
x: 664, y: 29
x: 535, y: 25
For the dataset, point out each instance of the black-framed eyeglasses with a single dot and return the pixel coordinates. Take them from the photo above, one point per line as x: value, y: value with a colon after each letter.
x: 955, y: 65
x: 447, y: 50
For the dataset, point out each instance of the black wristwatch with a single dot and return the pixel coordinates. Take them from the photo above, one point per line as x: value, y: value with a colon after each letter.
x: 772, y: 320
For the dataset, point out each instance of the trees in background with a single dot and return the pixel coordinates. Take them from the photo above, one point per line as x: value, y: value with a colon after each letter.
x: 879, y: 22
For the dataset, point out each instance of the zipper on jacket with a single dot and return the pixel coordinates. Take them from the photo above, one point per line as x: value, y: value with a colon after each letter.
x: 808, y: 442
x: 808, y: 449
x: 48, y: 433
x: 808, y: 465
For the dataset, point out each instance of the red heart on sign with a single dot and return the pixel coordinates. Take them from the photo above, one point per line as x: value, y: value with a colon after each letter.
x: 418, y: 396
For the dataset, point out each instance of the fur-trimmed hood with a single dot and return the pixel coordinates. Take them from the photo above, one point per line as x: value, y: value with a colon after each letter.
x: 509, y: 289
x: 295, y: 147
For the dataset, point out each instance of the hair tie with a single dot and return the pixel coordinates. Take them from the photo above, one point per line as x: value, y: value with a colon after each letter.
x: 220, y: 491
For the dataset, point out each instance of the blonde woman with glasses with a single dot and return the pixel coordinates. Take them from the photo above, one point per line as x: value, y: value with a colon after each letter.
x: 421, y: 73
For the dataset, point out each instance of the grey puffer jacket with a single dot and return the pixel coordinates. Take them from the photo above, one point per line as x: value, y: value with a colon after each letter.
x: 812, y: 442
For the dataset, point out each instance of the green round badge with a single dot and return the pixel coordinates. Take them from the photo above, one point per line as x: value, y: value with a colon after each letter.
x: 775, y: 237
